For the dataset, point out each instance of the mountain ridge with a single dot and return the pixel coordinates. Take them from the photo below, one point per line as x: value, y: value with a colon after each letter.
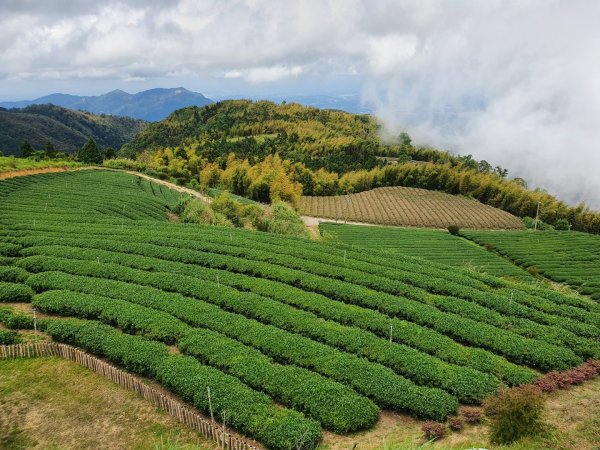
x: 66, y: 129
x: 149, y: 105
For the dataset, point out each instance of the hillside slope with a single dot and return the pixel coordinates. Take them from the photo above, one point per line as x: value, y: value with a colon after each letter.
x: 402, y: 206
x: 290, y: 335
x: 565, y: 257
x: 325, y: 152
x: 316, y: 137
x: 150, y: 105
x: 434, y: 245
x: 66, y: 129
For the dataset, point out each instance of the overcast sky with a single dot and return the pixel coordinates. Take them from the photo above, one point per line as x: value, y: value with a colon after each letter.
x: 514, y: 82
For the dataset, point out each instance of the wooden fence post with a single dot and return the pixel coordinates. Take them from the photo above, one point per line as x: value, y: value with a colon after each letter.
x: 179, y: 410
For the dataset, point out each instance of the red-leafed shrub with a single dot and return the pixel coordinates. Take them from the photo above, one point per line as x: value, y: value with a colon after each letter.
x: 455, y: 423
x: 433, y: 430
x: 471, y: 415
x: 561, y: 380
x: 545, y: 384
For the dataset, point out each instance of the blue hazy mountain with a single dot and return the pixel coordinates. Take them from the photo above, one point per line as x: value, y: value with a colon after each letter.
x: 151, y: 105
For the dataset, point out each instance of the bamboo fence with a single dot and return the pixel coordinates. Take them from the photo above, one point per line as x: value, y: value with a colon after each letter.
x: 174, y: 407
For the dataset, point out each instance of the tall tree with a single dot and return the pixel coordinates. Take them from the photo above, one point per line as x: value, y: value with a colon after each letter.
x: 90, y: 154
x: 25, y: 149
x: 50, y: 151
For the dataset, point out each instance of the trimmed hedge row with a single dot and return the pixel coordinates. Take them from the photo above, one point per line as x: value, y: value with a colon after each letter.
x: 8, y: 249
x: 515, y: 347
x: 416, y: 336
x: 131, y: 318
x: 16, y: 320
x: 586, y: 348
x: 15, y: 292
x: 248, y: 411
x: 414, y: 285
x: 377, y: 382
x: 13, y: 274
x: 466, y: 384
x: 9, y: 337
x: 403, y: 263
x: 335, y: 406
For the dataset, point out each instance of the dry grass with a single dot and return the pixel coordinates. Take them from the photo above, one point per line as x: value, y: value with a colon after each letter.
x: 572, y: 417
x: 51, y: 403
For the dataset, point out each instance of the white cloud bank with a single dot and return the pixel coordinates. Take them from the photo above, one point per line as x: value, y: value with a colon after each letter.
x: 513, y: 82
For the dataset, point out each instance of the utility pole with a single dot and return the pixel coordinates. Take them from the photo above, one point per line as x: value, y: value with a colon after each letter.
x: 391, y: 332
x: 537, y: 215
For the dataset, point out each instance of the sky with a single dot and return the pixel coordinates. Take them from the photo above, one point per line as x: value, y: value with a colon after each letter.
x: 514, y: 82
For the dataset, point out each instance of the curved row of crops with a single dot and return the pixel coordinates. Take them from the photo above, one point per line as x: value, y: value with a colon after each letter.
x: 329, y: 331
x: 434, y: 245
x: 412, y: 207
x: 565, y: 257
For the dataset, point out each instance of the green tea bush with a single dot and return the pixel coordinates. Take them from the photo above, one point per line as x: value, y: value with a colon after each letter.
x: 13, y: 274
x: 380, y: 383
x: 337, y: 407
x: 15, y: 292
x: 249, y: 411
x: 9, y: 337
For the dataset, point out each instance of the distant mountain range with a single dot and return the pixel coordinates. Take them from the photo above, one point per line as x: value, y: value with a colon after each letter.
x: 350, y: 102
x: 66, y: 129
x: 151, y: 105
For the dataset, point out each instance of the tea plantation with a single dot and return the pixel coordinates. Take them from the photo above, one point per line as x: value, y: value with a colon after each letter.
x: 563, y: 256
x: 433, y: 245
x: 292, y: 336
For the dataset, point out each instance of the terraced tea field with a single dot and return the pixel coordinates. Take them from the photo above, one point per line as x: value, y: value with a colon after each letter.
x: 409, y: 207
x: 565, y: 257
x: 433, y: 245
x: 291, y: 336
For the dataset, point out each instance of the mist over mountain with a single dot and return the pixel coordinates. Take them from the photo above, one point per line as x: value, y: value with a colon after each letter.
x: 150, y: 105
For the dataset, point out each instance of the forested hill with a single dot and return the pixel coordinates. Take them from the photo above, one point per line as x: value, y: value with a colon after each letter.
x: 66, y: 129
x: 336, y: 140
x: 232, y: 145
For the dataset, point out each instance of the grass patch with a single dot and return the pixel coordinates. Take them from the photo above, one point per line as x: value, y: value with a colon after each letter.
x: 53, y: 403
x: 572, y: 419
x: 10, y: 163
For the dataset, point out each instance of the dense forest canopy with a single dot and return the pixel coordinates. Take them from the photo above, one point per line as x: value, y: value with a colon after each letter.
x: 65, y: 129
x: 335, y: 140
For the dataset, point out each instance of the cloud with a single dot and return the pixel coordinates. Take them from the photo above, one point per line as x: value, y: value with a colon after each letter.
x: 514, y: 82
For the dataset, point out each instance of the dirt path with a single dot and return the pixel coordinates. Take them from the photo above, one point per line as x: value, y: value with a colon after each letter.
x: 23, y: 172
x: 311, y: 221
x: 193, y: 193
